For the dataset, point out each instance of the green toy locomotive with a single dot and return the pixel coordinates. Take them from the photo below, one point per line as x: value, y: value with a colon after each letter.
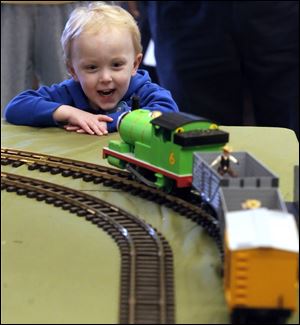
x: 158, y: 148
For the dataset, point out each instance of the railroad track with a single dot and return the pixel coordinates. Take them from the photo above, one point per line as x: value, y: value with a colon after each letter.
x: 188, y: 207
x: 147, y: 292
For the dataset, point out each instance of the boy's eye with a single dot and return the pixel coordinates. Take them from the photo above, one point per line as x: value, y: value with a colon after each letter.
x: 91, y: 67
x: 117, y: 64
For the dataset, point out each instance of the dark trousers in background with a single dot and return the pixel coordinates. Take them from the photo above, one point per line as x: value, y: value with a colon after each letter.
x: 208, y: 51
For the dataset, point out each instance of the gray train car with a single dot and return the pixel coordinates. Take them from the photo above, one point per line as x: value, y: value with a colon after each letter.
x: 250, y: 174
x: 234, y: 199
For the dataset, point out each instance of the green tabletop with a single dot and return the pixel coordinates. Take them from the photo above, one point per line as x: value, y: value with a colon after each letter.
x: 57, y: 268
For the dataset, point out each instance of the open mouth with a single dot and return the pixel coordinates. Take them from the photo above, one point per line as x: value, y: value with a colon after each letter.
x: 106, y: 92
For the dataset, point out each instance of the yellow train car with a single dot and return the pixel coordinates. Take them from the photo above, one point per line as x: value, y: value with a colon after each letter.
x: 261, y: 265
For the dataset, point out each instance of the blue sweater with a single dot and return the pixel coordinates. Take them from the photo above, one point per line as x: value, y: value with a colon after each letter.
x: 35, y: 108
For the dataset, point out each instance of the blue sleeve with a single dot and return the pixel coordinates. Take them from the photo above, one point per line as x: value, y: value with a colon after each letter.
x: 35, y: 108
x: 121, y: 109
x: 155, y: 98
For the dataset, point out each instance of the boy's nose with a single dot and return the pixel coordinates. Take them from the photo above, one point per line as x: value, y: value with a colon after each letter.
x: 105, y: 76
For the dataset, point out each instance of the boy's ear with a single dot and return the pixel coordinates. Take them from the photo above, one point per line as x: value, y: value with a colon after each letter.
x: 72, y: 71
x: 136, y: 63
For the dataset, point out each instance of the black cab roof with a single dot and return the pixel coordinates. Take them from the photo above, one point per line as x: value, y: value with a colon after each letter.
x: 173, y: 120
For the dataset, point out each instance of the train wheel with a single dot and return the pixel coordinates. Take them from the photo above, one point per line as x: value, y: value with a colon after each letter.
x: 164, y: 183
x: 116, y: 162
x: 183, y: 193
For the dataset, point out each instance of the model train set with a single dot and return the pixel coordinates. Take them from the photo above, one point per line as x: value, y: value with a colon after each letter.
x: 179, y: 156
x: 174, y: 151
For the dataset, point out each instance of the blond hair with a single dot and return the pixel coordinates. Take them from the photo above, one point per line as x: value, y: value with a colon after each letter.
x: 93, y: 18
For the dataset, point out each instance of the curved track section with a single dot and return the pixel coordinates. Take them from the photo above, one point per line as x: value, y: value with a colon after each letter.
x: 147, y: 292
x: 188, y: 206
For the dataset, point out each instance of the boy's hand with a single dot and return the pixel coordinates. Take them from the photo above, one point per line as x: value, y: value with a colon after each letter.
x: 78, y: 129
x: 80, y: 121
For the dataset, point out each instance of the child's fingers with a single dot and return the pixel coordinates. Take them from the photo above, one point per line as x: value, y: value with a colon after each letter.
x: 81, y: 131
x: 105, y: 118
x: 99, y: 127
x: 71, y: 127
x: 102, y: 128
x: 98, y: 130
x: 78, y: 129
x: 90, y: 127
x: 94, y: 128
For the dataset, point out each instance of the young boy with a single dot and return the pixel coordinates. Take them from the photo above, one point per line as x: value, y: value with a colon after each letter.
x: 102, y: 51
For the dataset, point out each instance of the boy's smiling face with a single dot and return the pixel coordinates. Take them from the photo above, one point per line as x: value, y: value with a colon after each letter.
x: 104, y: 63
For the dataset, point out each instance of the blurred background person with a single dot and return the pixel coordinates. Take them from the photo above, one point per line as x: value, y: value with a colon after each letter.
x: 31, y: 52
x: 138, y: 11
x: 211, y: 54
